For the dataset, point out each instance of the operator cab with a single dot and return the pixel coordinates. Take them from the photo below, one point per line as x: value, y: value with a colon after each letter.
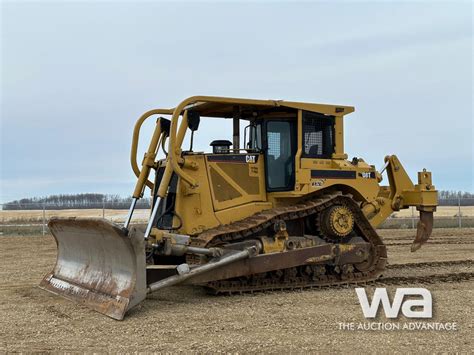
x: 266, y: 161
x: 277, y: 139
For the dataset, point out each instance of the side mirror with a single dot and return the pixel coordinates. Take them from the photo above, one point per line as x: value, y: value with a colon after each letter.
x: 193, y: 120
x: 165, y: 126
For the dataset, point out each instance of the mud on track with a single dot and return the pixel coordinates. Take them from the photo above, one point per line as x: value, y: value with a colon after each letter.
x: 187, y: 319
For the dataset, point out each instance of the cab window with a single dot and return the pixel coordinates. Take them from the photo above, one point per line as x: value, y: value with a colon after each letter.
x: 280, y: 155
x: 318, y: 135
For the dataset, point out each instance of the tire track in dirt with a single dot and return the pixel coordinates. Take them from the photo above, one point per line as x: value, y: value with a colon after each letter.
x: 467, y: 262
x: 428, y: 272
x: 432, y: 242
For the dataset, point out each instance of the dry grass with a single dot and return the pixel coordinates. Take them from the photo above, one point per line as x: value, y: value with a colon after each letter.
x: 441, y: 211
x: 141, y: 215
x: 28, y: 222
x: 26, y: 216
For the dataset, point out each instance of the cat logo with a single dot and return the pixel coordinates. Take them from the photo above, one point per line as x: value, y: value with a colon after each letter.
x: 250, y: 159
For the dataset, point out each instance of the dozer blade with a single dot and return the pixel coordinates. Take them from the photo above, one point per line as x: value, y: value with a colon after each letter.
x: 98, y: 265
x: 424, y: 229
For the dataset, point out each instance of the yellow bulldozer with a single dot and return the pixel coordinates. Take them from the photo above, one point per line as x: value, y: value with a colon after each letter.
x: 285, y: 210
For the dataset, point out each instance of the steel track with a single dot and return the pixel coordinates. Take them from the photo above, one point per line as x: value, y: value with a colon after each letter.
x: 298, y: 276
x: 333, y: 281
x: 299, y: 279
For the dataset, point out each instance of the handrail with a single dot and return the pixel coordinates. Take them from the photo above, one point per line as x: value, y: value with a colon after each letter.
x: 173, y: 147
x: 136, y: 137
x: 149, y: 161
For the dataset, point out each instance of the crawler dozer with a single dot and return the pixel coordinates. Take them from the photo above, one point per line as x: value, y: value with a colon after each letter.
x: 278, y: 207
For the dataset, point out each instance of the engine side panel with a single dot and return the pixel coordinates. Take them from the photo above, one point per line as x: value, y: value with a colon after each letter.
x: 235, y: 179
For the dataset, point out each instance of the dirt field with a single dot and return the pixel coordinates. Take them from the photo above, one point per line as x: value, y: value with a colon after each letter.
x: 186, y: 319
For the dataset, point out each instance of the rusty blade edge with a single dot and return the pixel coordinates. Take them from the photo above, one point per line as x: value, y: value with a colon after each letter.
x: 112, y: 306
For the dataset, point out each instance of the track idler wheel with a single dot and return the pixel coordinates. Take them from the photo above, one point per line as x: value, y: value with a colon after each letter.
x: 336, y: 222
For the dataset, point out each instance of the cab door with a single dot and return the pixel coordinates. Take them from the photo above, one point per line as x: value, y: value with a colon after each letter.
x: 280, y: 149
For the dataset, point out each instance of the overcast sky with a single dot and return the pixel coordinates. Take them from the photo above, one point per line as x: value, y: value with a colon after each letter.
x: 75, y: 76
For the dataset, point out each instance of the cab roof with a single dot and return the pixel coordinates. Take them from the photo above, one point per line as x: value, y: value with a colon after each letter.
x: 227, y: 107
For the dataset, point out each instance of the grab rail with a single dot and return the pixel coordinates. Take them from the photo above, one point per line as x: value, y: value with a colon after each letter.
x: 176, y: 140
x: 136, y: 137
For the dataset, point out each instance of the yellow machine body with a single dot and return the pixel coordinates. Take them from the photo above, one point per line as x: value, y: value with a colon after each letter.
x: 215, y: 189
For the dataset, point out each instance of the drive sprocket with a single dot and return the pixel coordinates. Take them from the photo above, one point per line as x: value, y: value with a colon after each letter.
x: 336, y: 222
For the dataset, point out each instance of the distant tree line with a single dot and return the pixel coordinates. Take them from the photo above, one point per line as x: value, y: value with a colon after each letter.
x: 445, y: 194
x: 76, y: 201
x: 455, y: 198
x: 91, y: 200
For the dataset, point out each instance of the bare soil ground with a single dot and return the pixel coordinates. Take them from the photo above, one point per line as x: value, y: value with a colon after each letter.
x: 186, y: 319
